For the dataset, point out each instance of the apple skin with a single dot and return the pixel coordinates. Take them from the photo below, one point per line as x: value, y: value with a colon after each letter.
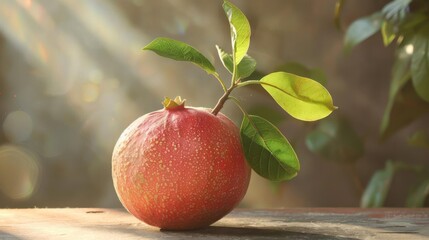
x: 181, y: 168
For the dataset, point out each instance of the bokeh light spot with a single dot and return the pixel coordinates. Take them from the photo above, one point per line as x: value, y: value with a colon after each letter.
x: 18, y: 126
x: 19, y: 172
x: 27, y: 3
x: 409, y: 49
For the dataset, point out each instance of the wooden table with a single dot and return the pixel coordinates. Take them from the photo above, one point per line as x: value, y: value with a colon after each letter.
x: 305, y: 223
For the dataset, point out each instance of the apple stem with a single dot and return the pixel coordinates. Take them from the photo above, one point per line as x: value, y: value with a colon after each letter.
x: 223, y: 99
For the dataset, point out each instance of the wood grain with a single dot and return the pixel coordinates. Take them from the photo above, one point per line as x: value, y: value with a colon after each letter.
x: 302, y: 223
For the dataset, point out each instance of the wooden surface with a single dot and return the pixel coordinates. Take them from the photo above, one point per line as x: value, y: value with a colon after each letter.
x: 331, y: 223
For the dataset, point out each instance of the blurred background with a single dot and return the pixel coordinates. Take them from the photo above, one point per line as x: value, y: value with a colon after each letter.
x: 73, y: 77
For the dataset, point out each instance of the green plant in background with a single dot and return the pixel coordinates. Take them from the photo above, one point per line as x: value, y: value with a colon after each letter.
x: 404, y: 24
x: 267, y: 151
x: 378, y: 187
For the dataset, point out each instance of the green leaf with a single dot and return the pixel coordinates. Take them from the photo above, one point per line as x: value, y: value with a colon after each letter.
x: 180, y: 51
x: 408, y: 28
x: 387, y: 32
x: 417, y: 197
x: 414, y: 21
x: 301, y: 97
x: 256, y: 75
x: 400, y: 76
x: 406, y: 108
x: 420, y: 64
x: 362, y: 29
x: 244, y: 69
x: 396, y: 10
x: 267, y: 151
x: 419, y: 139
x: 303, y: 71
x: 400, y: 110
x: 376, y: 191
x: 240, y: 31
x: 339, y: 5
x: 334, y: 139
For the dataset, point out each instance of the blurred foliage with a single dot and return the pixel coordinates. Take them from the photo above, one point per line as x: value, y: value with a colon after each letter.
x: 405, y: 108
x: 378, y: 187
x: 407, y: 22
x: 419, y: 139
x: 334, y: 139
x: 337, y: 14
x: 272, y: 115
x: 417, y: 197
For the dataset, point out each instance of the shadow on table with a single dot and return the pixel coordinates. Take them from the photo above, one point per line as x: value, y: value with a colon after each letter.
x: 8, y: 236
x: 253, y: 232
x: 226, y: 232
x: 223, y: 232
x: 297, y: 225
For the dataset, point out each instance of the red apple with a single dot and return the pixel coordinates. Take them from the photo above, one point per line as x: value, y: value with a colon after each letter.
x: 180, y: 168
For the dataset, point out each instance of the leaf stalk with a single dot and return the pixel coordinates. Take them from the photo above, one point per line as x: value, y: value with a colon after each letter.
x: 223, y: 99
